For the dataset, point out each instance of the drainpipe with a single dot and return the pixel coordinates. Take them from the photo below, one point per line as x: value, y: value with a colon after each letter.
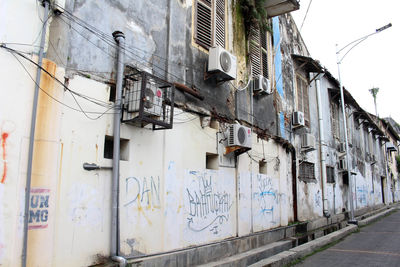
x: 321, y: 148
x: 119, y: 38
x: 32, y: 135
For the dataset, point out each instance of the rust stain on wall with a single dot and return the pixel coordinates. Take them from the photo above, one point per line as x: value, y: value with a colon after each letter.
x: 4, y: 137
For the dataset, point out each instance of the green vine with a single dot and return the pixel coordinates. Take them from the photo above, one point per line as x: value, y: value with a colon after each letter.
x: 398, y: 163
x: 254, y: 13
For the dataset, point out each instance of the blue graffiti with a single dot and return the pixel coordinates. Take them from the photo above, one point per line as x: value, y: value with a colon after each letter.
x: 267, y: 210
x: 271, y: 193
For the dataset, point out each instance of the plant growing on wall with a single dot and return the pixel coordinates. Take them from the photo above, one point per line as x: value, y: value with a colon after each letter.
x: 398, y: 164
x: 254, y: 13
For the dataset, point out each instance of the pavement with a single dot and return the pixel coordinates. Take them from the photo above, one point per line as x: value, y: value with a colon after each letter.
x: 377, y: 244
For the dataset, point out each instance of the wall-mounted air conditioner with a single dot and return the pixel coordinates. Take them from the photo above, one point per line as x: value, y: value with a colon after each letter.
x: 239, y: 135
x: 308, y: 141
x: 152, y: 100
x: 298, y: 119
x: 58, y: 6
x: 343, y: 164
x: 222, y: 62
x: 262, y: 85
x: 342, y: 147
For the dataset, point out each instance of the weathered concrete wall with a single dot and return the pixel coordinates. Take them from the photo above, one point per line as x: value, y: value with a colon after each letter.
x: 15, y: 115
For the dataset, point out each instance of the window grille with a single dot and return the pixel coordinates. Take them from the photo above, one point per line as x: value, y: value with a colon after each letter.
x: 147, y: 99
x: 306, y: 171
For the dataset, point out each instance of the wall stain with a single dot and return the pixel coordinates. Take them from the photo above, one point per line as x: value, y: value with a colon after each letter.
x: 4, y: 137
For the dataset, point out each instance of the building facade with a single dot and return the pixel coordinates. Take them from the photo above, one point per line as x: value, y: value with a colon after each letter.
x: 183, y: 182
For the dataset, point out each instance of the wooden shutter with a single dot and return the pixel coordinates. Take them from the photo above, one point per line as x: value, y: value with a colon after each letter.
x: 306, y: 104
x: 255, y: 50
x: 203, y: 23
x: 219, y: 21
x: 264, y: 54
x: 299, y: 93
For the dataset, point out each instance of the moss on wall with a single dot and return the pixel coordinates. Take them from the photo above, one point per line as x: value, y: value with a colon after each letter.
x: 239, y: 42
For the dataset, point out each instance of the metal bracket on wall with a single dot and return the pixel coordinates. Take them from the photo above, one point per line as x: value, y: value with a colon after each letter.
x: 208, y: 75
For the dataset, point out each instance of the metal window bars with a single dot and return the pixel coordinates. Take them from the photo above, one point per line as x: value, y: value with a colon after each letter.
x: 147, y: 99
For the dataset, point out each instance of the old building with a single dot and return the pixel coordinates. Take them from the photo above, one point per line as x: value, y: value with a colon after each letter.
x: 230, y: 133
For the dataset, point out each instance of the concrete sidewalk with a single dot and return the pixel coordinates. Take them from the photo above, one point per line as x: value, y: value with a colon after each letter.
x: 290, y: 255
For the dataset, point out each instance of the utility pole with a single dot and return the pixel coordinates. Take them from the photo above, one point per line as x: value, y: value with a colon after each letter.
x: 374, y: 92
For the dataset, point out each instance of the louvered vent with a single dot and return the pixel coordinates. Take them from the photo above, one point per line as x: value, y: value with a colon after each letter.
x: 220, y: 23
x: 255, y: 52
x: 264, y: 52
x: 231, y: 135
x: 203, y: 23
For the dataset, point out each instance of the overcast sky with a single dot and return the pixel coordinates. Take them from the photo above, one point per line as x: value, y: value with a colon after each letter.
x: 373, y: 63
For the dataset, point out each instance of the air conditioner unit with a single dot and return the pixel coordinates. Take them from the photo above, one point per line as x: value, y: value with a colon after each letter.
x: 239, y: 135
x: 223, y: 62
x: 58, y: 6
x: 152, y: 100
x: 308, y: 141
x: 343, y: 164
x: 298, y: 119
x: 342, y: 147
x: 262, y: 85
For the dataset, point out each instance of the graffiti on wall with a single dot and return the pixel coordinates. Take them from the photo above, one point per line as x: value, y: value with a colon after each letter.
x: 7, y: 127
x: 143, y: 192
x: 207, y: 207
x: 362, y: 193
x: 39, y: 208
x: 318, y: 199
x: 266, y: 196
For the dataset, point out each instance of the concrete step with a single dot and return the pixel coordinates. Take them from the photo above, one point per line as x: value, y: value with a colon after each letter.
x: 252, y: 256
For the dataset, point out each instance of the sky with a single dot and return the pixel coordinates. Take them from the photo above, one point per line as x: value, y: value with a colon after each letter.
x: 372, y: 63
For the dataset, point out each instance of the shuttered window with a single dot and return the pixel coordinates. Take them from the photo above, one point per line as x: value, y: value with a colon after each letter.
x: 330, y: 174
x: 210, y: 23
x: 306, y: 171
x: 335, y: 120
x: 303, y: 98
x: 258, y: 48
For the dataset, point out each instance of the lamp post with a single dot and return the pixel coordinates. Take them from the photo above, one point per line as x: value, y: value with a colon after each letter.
x: 339, y: 61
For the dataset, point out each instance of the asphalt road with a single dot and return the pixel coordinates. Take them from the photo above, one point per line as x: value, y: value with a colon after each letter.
x: 377, y: 244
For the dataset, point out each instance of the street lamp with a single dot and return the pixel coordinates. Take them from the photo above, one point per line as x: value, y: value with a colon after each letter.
x: 339, y: 61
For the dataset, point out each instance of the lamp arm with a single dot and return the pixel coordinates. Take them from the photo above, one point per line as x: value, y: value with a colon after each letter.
x: 359, y: 41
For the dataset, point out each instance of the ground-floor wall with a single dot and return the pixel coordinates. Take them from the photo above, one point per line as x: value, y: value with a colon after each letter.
x: 173, y: 191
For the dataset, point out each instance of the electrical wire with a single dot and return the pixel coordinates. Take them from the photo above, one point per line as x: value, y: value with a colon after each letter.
x: 109, y: 40
x: 305, y: 16
x: 88, y: 98
x: 69, y: 90
x: 55, y: 99
x: 129, y: 48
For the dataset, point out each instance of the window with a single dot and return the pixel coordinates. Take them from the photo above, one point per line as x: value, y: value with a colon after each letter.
x: 335, y: 120
x: 109, y: 148
x: 330, y: 174
x: 209, y: 23
x: 262, y: 167
x: 307, y: 171
x: 212, y: 161
x: 258, y: 46
x: 302, y: 98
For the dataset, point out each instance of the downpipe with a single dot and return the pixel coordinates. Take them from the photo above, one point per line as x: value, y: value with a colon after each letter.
x: 321, y: 147
x: 32, y: 135
x: 119, y: 38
